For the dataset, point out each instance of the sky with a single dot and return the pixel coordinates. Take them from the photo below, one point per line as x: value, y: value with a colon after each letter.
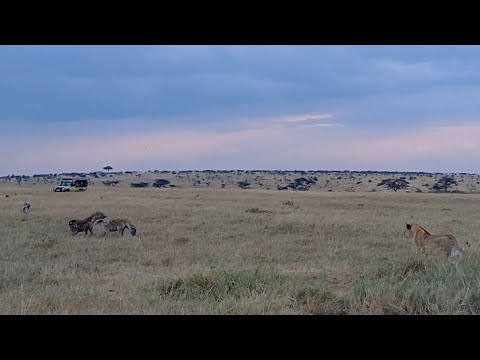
x: 391, y: 108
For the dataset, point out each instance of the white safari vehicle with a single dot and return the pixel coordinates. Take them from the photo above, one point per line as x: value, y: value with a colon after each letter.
x: 71, y: 184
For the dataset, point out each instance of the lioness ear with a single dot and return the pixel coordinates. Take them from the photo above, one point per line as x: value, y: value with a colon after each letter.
x: 409, y: 226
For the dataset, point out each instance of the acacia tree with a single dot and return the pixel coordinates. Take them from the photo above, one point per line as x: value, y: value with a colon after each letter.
x: 139, y: 185
x: 243, y: 185
x: 394, y: 184
x: 108, y: 168
x: 159, y: 183
x: 444, y: 183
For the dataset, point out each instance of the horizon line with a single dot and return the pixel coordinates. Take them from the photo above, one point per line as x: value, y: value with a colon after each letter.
x: 246, y: 169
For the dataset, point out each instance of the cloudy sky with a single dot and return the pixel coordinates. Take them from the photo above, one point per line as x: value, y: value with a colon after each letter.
x: 79, y: 108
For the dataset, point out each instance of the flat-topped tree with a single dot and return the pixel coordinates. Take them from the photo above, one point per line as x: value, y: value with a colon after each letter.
x: 139, y: 185
x: 243, y: 184
x: 394, y: 184
x: 159, y: 183
x: 108, y: 168
x: 444, y: 183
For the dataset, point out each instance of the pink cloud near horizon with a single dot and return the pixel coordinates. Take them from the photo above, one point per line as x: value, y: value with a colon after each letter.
x: 440, y: 148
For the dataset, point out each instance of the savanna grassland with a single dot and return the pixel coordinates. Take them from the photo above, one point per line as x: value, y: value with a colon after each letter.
x: 209, y: 250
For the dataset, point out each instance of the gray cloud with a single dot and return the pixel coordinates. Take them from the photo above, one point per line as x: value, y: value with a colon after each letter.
x: 53, y: 91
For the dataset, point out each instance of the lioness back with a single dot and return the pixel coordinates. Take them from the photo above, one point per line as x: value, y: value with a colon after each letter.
x: 442, y: 243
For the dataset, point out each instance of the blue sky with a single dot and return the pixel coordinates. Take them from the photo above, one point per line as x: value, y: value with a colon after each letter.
x: 229, y: 107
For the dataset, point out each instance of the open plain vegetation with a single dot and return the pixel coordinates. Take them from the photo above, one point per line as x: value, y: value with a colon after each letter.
x: 204, y: 248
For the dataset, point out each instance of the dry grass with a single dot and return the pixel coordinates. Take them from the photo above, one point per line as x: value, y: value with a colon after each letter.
x: 231, y: 251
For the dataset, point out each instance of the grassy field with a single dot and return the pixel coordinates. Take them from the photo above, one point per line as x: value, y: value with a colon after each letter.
x: 203, y: 250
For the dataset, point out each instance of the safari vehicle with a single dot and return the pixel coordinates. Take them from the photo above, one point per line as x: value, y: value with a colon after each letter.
x: 71, y: 184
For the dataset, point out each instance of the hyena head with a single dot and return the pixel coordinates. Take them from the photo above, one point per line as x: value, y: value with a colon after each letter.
x: 133, y: 230
x: 72, y: 224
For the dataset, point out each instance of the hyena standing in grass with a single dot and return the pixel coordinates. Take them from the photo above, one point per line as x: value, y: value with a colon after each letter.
x: 86, y: 225
x: 119, y: 225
